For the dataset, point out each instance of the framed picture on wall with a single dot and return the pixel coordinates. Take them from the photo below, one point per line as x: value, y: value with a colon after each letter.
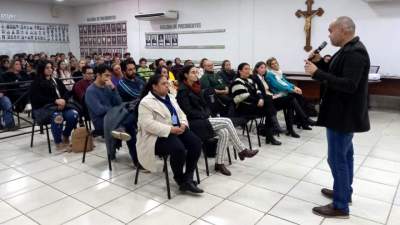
x: 124, y: 40
x: 119, y: 40
x: 80, y: 29
x: 85, y: 30
x: 108, y: 40
x: 113, y: 28
x: 93, y: 28
x: 108, y: 28
x: 103, y: 40
x: 113, y: 40
x: 161, y: 40
x: 98, y: 28
x: 85, y: 41
x: 119, y: 28
x: 148, y: 40
x: 80, y: 41
x: 98, y: 41
x: 168, y: 40
x: 124, y: 28
x: 174, y: 39
x: 154, y: 40
x: 103, y: 29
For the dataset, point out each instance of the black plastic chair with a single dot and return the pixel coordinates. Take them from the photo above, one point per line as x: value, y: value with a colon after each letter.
x: 41, y: 131
x: 94, y: 133
x: 206, y: 157
x: 165, y: 170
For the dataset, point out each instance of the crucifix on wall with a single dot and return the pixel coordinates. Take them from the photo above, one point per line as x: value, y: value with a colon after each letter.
x: 308, y: 15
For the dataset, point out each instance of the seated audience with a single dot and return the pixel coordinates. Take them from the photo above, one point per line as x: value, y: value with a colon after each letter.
x: 280, y: 102
x: 249, y: 100
x: 4, y: 65
x: 17, y: 93
x: 79, y: 89
x: 173, y: 84
x: 201, y: 67
x: 279, y: 85
x: 130, y: 87
x: 177, y: 68
x: 227, y: 73
x: 50, y: 93
x: 188, y: 62
x: 144, y: 71
x: 78, y: 74
x: 64, y: 74
x: 100, y: 97
x: 211, y: 80
x: 163, y: 130
x: 116, y: 74
x: 191, y: 100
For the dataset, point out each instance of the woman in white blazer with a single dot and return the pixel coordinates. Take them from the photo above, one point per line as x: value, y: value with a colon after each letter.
x: 163, y: 130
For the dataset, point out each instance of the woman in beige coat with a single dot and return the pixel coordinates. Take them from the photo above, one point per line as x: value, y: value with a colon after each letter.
x: 163, y: 130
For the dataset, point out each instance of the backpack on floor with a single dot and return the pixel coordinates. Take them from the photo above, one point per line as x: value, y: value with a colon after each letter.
x: 79, y: 138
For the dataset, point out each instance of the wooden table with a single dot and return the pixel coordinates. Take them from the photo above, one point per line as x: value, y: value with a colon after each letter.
x: 310, y: 87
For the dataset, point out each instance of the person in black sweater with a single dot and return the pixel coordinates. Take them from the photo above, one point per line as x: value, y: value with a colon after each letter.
x: 249, y: 100
x: 192, y: 101
x: 50, y: 92
x: 226, y: 72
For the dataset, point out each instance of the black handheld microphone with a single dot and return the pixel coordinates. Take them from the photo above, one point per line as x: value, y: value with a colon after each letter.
x: 316, y: 51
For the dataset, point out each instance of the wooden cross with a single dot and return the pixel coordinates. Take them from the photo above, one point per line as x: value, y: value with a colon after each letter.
x: 308, y: 15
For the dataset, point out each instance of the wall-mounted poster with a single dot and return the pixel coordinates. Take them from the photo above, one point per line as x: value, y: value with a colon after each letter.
x: 32, y: 32
x: 148, y: 40
x: 123, y: 28
x: 161, y: 40
x: 113, y: 29
x: 168, y: 40
x: 108, y: 28
x: 154, y: 40
x: 98, y: 38
x: 119, y: 28
x: 174, y: 39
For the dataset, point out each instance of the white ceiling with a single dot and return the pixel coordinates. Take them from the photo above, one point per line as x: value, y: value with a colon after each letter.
x: 68, y: 2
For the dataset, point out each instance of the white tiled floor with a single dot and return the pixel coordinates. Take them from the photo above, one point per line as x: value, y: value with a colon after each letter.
x: 277, y: 187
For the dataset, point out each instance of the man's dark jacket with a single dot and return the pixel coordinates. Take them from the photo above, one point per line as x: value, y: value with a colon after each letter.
x: 344, y: 105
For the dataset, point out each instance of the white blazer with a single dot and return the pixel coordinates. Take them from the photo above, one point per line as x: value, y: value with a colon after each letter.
x: 154, y: 121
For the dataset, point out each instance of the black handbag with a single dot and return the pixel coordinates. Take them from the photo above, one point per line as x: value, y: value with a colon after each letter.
x: 43, y: 115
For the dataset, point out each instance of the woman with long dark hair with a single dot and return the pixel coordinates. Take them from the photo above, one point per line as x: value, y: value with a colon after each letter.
x: 249, y: 100
x: 226, y: 72
x: 50, y: 93
x: 163, y: 130
x: 280, y: 102
x: 191, y: 100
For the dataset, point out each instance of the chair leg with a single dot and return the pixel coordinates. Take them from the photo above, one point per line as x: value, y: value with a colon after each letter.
x: 235, y: 153
x: 33, y: 133
x: 197, y: 175
x: 258, y: 134
x: 48, y: 138
x: 85, y: 148
x: 206, y: 161
x: 137, y: 174
x: 229, y: 155
x: 41, y: 129
x: 166, y: 177
x: 109, y: 162
x: 19, y: 119
x: 248, y: 136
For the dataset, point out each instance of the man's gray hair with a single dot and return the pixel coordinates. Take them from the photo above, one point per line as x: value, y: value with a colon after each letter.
x: 347, y: 24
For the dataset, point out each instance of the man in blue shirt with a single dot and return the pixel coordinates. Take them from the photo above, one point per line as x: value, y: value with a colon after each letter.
x: 130, y: 87
x: 100, y: 97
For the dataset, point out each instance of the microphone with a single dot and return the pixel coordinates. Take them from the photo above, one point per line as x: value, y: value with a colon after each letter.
x: 316, y: 51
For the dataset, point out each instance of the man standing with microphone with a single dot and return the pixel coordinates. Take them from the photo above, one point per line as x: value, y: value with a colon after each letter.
x: 343, y: 109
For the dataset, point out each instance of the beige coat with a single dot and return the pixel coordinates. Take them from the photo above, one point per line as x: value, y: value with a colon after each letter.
x: 154, y: 120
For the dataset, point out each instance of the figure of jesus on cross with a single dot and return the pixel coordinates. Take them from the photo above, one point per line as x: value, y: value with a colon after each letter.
x: 308, y: 15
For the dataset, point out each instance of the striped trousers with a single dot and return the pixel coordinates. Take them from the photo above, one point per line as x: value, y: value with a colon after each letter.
x: 226, y: 133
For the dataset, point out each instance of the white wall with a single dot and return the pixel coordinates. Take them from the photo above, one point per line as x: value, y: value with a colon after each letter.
x: 39, y: 13
x: 255, y: 29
